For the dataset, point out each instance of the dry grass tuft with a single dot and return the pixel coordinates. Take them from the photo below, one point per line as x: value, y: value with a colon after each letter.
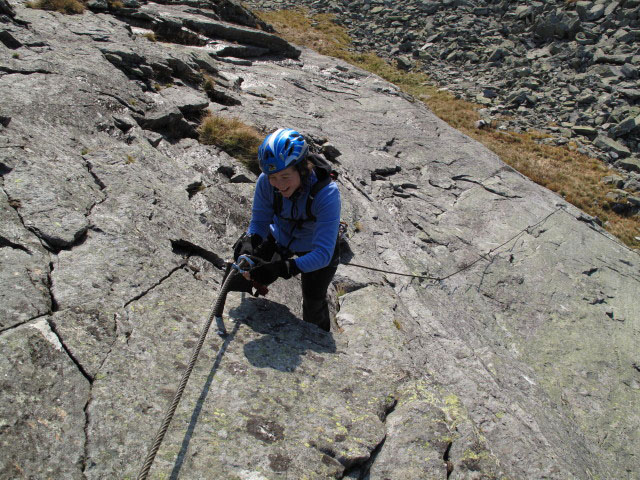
x: 572, y: 175
x: 69, y: 7
x: 209, y: 86
x: 318, y: 32
x: 234, y: 137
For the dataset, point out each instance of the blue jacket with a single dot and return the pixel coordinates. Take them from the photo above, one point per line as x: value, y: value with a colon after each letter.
x: 317, y: 238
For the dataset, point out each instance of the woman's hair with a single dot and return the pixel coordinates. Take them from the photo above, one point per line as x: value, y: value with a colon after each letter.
x: 304, y: 168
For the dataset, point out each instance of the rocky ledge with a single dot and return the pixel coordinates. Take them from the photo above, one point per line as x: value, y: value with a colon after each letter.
x: 500, y: 342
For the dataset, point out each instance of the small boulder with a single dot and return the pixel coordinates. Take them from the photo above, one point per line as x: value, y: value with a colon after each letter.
x: 584, y: 130
x: 187, y: 100
x: 630, y: 164
x: 610, y: 145
x: 169, y: 122
x: 614, y: 180
x: 123, y: 123
x: 404, y: 63
x: 227, y: 170
x: 241, y: 178
x: 153, y: 138
x: 627, y: 125
x: 330, y: 151
x: 497, y: 55
x: 97, y: 5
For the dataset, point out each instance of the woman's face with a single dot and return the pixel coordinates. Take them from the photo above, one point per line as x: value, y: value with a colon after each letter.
x: 286, y: 181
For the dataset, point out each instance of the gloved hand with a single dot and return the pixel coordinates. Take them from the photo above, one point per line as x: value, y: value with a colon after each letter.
x: 246, y: 245
x: 269, y: 272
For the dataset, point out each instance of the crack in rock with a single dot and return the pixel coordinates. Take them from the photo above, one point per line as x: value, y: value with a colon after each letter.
x: 100, y: 185
x: 362, y: 467
x: 425, y: 237
x: 9, y: 70
x: 326, y: 89
x: 388, y: 144
x: 157, y: 284
x: 50, y: 244
x: 33, y: 319
x: 359, y: 189
x: 298, y: 84
x: 84, y: 461
x: 464, y: 178
x: 384, y: 172
x: 85, y: 451
x: 187, y: 249
x: 54, y: 303
x: 90, y: 379
x: 445, y: 458
x: 55, y: 247
x: 93, y: 174
x: 499, y: 193
x: 123, y: 102
x: 15, y: 204
x: 77, y: 363
x: 6, y: 243
x: 115, y: 339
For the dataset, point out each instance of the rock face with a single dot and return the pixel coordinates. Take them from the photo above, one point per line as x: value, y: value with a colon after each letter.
x: 516, y: 357
x: 7, y: 9
x: 569, y: 69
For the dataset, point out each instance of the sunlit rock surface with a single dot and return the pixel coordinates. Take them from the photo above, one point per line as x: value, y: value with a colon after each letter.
x: 515, y: 355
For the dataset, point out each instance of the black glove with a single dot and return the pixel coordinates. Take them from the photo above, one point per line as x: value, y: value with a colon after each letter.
x: 270, y: 272
x: 246, y: 245
x: 266, y: 250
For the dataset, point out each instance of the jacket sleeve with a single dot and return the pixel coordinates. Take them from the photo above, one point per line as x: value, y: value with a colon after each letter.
x: 326, y: 208
x: 262, y: 210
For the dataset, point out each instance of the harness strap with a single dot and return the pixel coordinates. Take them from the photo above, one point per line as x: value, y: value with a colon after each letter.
x: 319, y: 185
x: 277, y: 201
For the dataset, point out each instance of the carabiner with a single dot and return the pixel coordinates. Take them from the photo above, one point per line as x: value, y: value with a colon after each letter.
x: 245, y: 258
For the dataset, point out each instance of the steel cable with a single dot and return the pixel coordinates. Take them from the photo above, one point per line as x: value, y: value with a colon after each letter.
x: 466, y: 267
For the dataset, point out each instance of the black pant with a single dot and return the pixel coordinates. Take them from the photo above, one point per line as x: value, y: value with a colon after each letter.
x: 315, y: 308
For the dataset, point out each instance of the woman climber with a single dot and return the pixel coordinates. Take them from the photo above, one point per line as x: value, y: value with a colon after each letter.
x: 296, y: 212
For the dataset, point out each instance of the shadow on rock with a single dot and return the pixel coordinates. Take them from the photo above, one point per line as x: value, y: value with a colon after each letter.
x: 198, y: 408
x: 286, y: 339
x: 346, y: 254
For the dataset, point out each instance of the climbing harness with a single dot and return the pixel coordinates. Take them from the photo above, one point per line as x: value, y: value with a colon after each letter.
x: 238, y: 268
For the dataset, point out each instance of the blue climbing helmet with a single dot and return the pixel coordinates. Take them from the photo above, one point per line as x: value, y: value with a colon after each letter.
x: 281, y: 149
